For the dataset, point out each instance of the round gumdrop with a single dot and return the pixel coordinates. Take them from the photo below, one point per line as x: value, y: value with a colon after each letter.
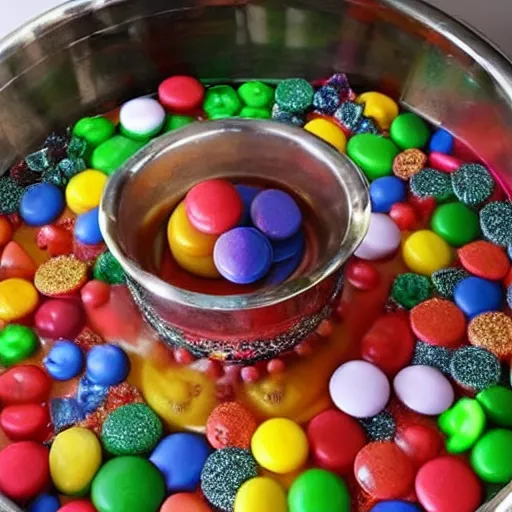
x: 335, y: 439
x: 389, y: 344
x: 362, y: 274
x: 58, y: 318
x: 420, y: 442
x: 184, y: 502
x: 24, y: 470
x: 384, y: 471
x: 447, y: 484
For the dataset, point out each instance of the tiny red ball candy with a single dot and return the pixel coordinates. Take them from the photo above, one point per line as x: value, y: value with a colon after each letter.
x: 95, y: 293
x: 78, y: 506
x: 324, y: 329
x: 420, y: 443
x: 362, y: 275
x: 23, y: 384
x: 60, y: 318
x: 25, y: 422
x: 183, y: 356
x: 181, y: 94
x: 424, y: 207
x: 214, y: 369
x: 213, y: 206
x: 250, y: 374
x: 275, y: 366
x: 55, y: 239
x: 24, y: 470
x: 404, y: 215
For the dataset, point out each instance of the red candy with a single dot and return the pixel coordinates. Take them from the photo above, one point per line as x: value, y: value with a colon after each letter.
x: 55, y: 239
x: 404, y: 215
x: 181, y: 93
x: 78, y: 506
x: 24, y: 470
x: 420, y: 443
x: 362, y: 275
x: 443, y: 162
x: 25, y: 422
x: 95, y: 293
x: 447, y: 484
x: 424, y: 206
x: 213, y: 206
x: 438, y: 322
x: 24, y: 384
x: 335, y: 439
x: 60, y: 318
x: 389, y: 344
x: 384, y: 471
x: 484, y: 259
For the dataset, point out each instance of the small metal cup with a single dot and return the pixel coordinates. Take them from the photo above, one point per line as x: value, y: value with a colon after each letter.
x: 247, y: 327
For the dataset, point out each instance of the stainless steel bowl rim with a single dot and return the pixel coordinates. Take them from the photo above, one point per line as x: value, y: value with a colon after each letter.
x: 353, y: 181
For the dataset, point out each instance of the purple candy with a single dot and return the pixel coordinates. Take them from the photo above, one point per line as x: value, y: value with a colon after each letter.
x: 247, y: 193
x: 285, y: 249
x: 280, y: 272
x: 242, y: 255
x: 276, y: 214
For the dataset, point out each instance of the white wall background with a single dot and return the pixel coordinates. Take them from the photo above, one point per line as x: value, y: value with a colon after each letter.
x: 492, y: 17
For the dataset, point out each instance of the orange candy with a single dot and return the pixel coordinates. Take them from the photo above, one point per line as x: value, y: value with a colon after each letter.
x: 484, y: 259
x: 184, y: 502
x: 5, y: 231
x: 15, y: 262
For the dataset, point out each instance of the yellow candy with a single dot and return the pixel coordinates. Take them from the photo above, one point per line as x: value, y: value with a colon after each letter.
x: 202, y: 266
x: 381, y: 108
x: 83, y: 192
x: 18, y: 298
x: 260, y: 494
x: 280, y: 445
x: 75, y: 457
x: 424, y: 252
x: 190, y: 240
x: 328, y: 131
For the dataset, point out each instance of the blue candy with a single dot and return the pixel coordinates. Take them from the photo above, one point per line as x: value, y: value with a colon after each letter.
x: 326, y: 100
x: 395, y: 506
x: 247, y: 193
x: 64, y: 361
x: 87, y: 228
x: 45, y: 503
x: 475, y: 295
x: 41, y: 204
x: 385, y: 192
x: 280, y: 272
x: 285, y: 249
x: 107, y: 365
x: 180, y: 458
x: 89, y: 395
x: 65, y: 412
x: 441, y: 142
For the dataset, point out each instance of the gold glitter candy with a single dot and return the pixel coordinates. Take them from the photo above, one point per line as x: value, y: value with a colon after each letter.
x: 492, y: 331
x: 60, y: 276
x: 408, y: 163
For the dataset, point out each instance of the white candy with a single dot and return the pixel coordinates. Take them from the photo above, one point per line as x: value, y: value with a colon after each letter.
x: 383, y: 238
x: 142, y: 116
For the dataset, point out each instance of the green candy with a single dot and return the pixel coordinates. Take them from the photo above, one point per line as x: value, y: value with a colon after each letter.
x: 256, y: 95
x: 373, y: 153
x: 456, y: 223
x: 294, y: 95
x: 411, y: 289
x: 221, y: 101
x: 497, y: 404
x: 409, y: 131
x: 95, y: 130
x: 108, y: 269
x: 128, y: 484
x: 114, y: 152
x: 132, y: 429
x: 318, y: 490
x: 17, y: 343
x: 255, y: 113
x: 491, y: 457
x: 463, y: 423
x: 175, y: 121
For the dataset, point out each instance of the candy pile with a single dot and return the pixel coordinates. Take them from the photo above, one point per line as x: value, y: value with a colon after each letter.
x: 242, y: 233
x: 416, y: 415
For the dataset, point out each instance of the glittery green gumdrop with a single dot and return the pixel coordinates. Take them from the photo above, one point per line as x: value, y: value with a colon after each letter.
x: 128, y: 484
x: 432, y: 183
x: 108, y: 269
x: 132, y: 429
x: 411, y: 289
x: 446, y: 279
x: 472, y: 184
x: 114, y: 152
x: 409, y: 131
x: 295, y: 95
x: 175, y: 121
x: 17, y: 343
x: 94, y: 130
x: 10, y: 195
x: 256, y: 95
x: 373, y: 153
x: 221, y: 101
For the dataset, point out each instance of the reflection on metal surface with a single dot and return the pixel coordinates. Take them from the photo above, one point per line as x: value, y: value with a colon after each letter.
x: 7, y: 505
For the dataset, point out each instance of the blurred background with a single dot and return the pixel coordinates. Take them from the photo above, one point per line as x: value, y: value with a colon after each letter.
x: 491, y: 17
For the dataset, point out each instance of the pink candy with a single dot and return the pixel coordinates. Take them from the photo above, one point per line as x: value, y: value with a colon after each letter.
x: 442, y: 162
x: 381, y: 240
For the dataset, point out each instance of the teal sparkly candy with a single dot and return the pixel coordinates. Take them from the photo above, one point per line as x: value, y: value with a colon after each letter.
x: 10, y: 195
x: 108, y: 269
x: 446, y: 279
x: 432, y: 355
x: 496, y: 222
x: 432, y: 183
x: 39, y: 161
x: 294, y: 95
x: 132, y: 429
x: 472, y: 184
x: 411, y: 289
